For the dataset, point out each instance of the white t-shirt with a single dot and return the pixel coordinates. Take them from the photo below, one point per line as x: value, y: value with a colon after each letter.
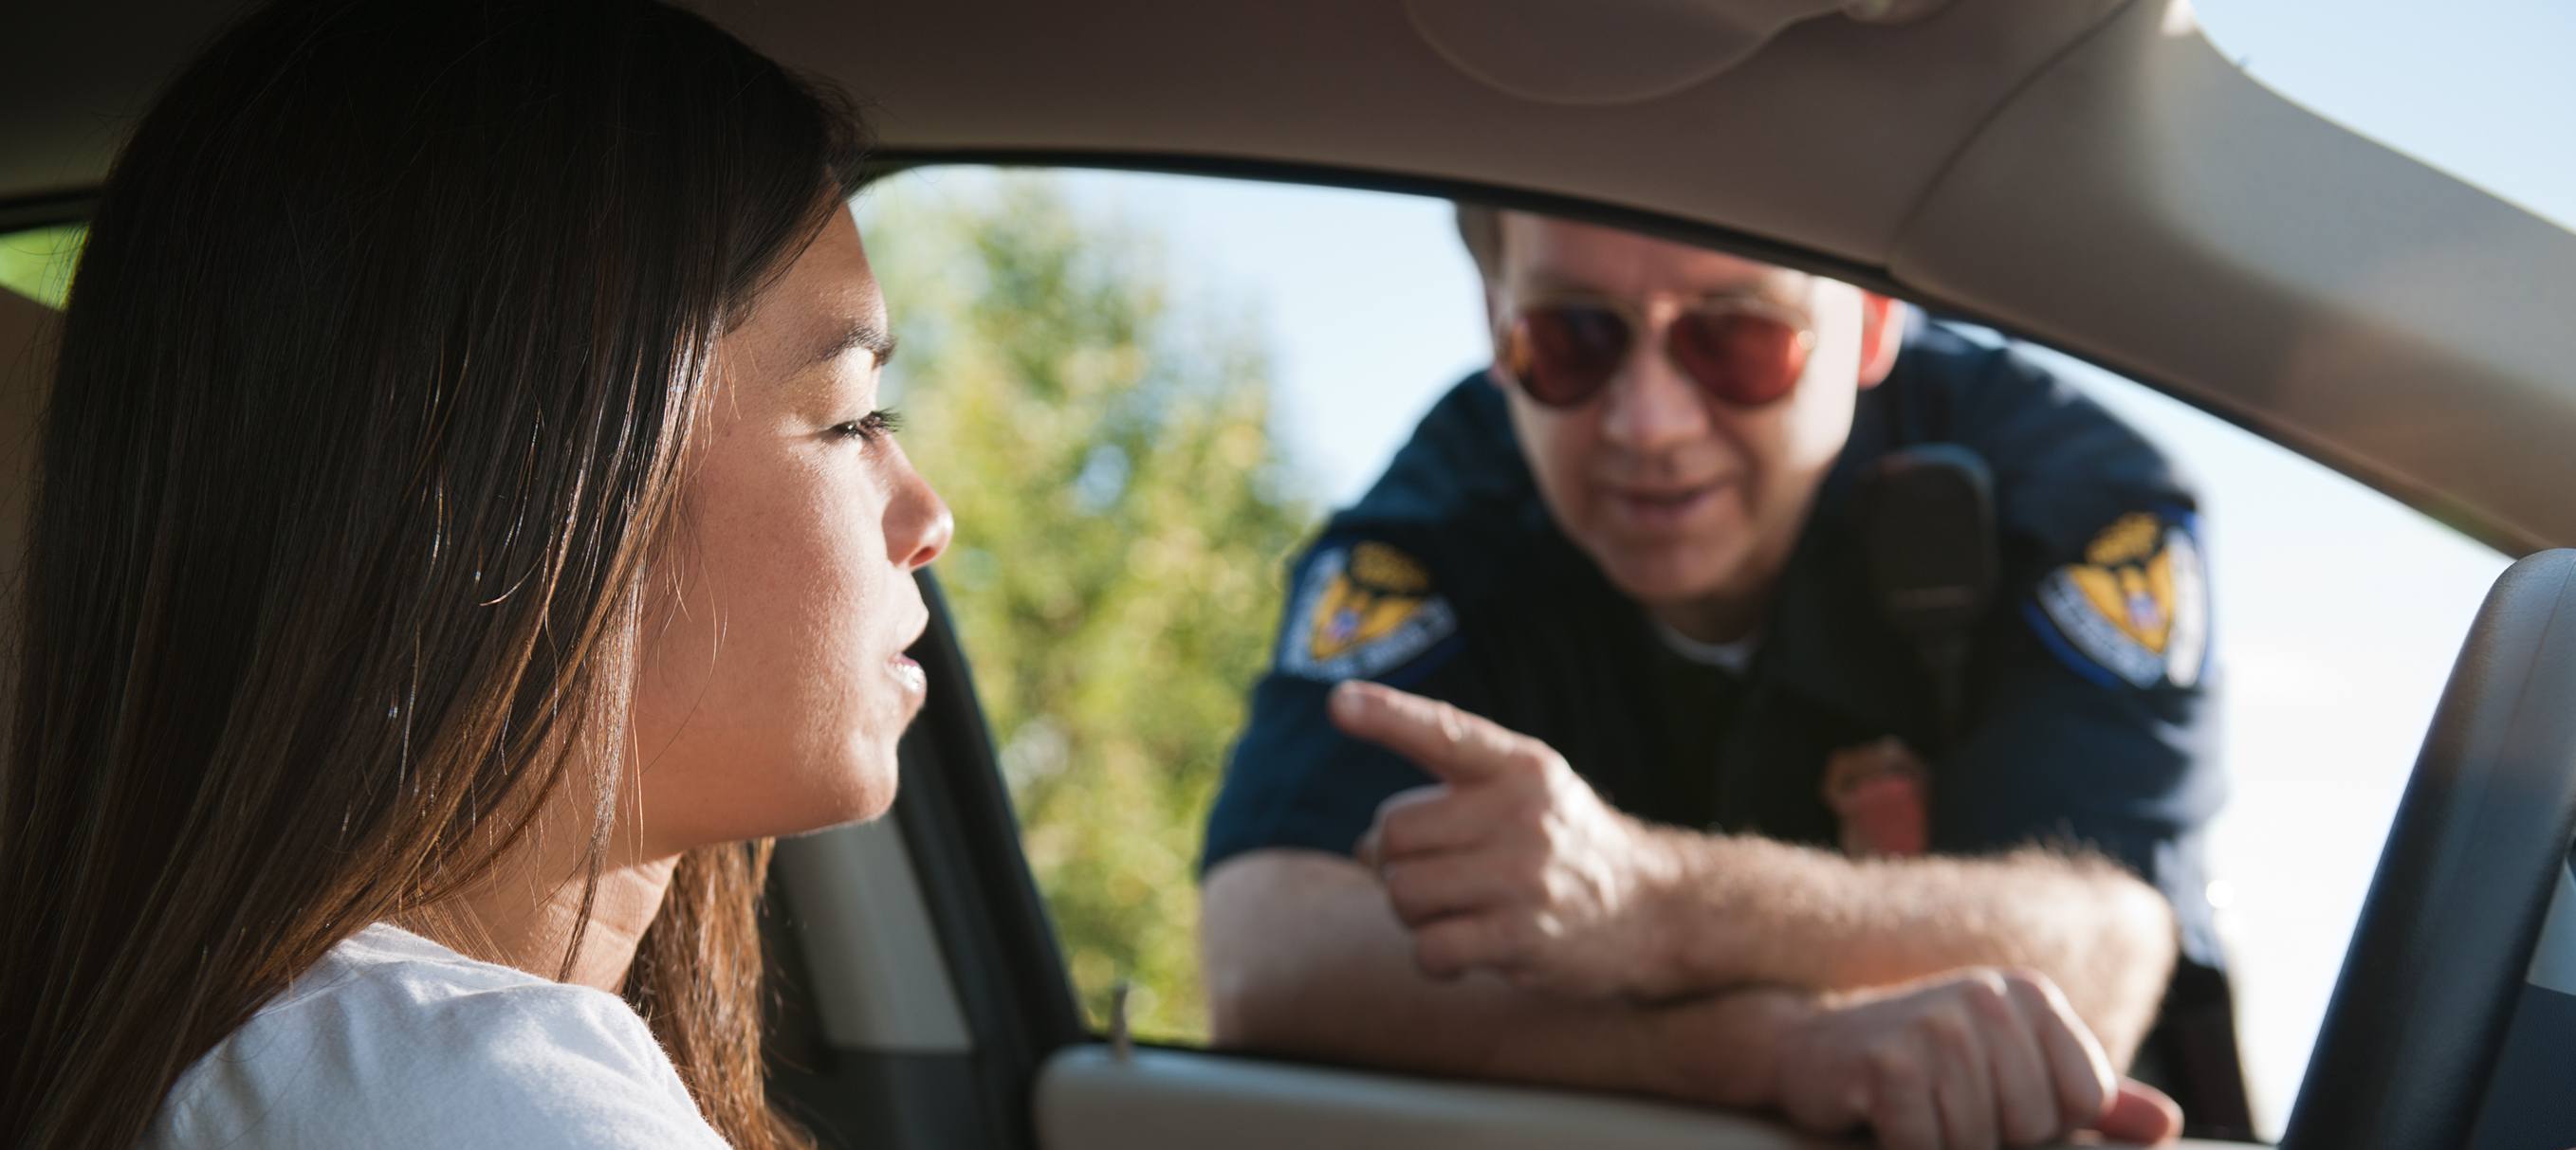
x: 395, y: 1041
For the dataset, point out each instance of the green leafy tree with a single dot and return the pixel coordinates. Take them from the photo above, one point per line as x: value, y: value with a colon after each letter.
x: 1122, y: 516
x: 38, y: 264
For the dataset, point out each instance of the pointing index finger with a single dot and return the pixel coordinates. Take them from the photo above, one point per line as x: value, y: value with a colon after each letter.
x: 1456, y: 747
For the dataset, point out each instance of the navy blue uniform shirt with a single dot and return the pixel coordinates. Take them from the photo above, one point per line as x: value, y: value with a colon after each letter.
x: 2088, y: 720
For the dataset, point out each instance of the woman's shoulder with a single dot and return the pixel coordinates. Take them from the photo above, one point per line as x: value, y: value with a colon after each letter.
x: 393, y: 1040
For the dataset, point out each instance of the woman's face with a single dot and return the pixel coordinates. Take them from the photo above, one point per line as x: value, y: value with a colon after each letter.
x: 774, y: 684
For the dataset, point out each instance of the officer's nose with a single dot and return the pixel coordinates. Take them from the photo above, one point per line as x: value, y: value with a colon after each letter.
x: 1651, y: 405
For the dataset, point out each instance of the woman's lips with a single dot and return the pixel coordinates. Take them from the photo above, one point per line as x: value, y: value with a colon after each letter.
x: 909, y: 674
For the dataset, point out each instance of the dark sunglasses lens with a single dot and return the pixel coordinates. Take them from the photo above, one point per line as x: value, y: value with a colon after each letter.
x: 1741, y: 358
x: 1563, y: 356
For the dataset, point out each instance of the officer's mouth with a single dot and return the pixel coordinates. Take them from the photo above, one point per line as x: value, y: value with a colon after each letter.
x: 1661, y: 508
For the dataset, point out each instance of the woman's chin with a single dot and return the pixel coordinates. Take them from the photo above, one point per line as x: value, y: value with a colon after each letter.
x: 819, y: 818
x: 874, y: 806
x: 826, y: 783
x: 866, y: 789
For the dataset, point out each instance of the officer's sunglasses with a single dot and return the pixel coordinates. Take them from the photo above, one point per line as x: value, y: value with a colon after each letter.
x: 1564, y: 349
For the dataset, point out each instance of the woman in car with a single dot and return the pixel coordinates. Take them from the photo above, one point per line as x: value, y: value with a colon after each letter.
x: 466, y: 533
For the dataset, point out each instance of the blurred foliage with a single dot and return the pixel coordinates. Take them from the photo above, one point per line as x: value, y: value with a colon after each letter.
x: 38, y: 264
x: 1122, y: 517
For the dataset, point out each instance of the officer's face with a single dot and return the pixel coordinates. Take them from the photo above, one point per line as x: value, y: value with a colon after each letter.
x: 1680, y: 495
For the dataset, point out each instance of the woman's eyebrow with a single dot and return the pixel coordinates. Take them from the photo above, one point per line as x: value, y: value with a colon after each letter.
x: 864, y: 333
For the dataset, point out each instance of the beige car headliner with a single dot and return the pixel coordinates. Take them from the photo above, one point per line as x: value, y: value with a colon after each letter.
x: 2086, y: 172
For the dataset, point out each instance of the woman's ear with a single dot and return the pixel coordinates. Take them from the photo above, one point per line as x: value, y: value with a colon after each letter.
x: 1882, y: 331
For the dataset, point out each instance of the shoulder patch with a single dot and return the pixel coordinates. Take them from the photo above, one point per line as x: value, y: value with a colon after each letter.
x: 2135, y: 606
x: 1361, y: 611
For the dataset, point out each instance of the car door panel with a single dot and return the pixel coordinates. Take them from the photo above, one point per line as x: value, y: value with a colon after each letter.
x: 1089, y: 1097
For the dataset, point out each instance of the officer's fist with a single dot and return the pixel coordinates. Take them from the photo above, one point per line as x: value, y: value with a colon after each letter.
x: 1970, y: 1060
x: 1509, y: 863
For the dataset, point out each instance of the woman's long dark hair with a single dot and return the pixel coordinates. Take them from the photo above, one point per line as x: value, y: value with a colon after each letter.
x: 366, y: 434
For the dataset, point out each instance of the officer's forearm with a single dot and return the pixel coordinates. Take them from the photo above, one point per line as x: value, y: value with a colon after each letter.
x: 1752, y: 911
x: 1303, y: 958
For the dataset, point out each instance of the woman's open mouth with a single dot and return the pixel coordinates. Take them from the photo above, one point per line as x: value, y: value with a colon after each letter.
x: 915, y: 681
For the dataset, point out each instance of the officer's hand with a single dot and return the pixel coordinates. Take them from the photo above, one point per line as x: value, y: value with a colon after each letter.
x: 1510, y: 863
x: 1969, y: 1060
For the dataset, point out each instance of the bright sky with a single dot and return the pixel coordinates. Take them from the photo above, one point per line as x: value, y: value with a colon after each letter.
x: 2338, y: 611
x: 2478, y: 88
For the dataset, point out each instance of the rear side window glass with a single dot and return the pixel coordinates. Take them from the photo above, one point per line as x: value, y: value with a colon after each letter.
x: 37, y: 264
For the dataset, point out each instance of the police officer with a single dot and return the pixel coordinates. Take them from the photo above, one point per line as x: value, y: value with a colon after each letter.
x: 1593, y: 690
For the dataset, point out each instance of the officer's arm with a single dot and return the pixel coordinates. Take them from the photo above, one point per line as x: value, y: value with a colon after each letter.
x: 1509, y: 863
x: 1302, y: 958
x: 1748, y: 910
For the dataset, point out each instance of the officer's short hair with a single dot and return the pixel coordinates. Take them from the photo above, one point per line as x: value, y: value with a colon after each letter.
x: 1480, y: 226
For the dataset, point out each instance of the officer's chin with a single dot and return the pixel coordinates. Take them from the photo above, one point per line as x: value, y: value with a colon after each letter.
x: 1669, y: 575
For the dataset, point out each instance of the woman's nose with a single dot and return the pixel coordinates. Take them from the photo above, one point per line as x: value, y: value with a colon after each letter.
x: 918, y: 525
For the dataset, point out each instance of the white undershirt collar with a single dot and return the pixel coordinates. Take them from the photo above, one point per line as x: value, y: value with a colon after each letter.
x: 1735, y: 657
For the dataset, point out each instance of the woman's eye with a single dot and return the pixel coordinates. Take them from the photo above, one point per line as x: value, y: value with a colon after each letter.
x: 871, y: 427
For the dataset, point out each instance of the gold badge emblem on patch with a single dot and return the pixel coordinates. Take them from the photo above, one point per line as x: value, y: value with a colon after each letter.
x: 2138, y: 603
x: 1361, y: 611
